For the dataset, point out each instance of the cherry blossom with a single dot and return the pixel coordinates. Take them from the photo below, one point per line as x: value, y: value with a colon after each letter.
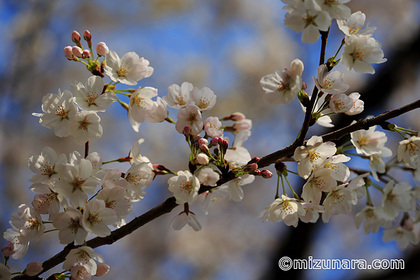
x: 308, y: 18
x: 83, y: 256
x: 235, y: 190
x: 179, y: 96
x: 341, y: 103
x: 45, y: 165
x: 59, y: 110
x: 5, y: 273
x: 97, y: 217
x: 311, y: 212
x: 403, y: 236
x: 203, y: 98
x: 373, y: 217
x: 360, y: 51
x: 313, y: 155
x: 284, y: 209
x: 127, y: 70
x: 339, y: 200
x: 320, y: 181
x: 330, y: 82
x: 140, y: 103
x: 139, y: 176
x: 69, y: 224
x: 369, y: 141
x: 397, y: 197
x: 26, y: 225
x: 409, y: 151
x: 354, y: 24
x: 91, y: 97
x: 207, y: 176
x: 85, y: 125
x: 283, y: 86
x: 76, y: 181
x: 186, y: 218
x: 184, y: 187
x: 189, y: 115
x: 358, y: 105
x: 335, y: 8
x: 212, y: 127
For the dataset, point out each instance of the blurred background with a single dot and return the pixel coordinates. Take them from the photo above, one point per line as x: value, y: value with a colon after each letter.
x: 227, y: 45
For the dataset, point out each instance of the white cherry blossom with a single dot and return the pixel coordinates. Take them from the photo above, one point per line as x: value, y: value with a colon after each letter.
x: 330, y: 82
x: 140, y: 104
x: 403, y: 236
x: 369, y: 141
x: 179, y: 96
x: 284, y: 209
x: 45, y: 165
x: 235, y: 190
x: 76, y: 182
x: 97, y: 217
x: 69, y: 224
x: 203, y: 98
x: 308, y: 18
x: 185, y: 218
x: 184, y: 187
x: 335, y: 8
x: 127, y: 70
x: 339, y: 200
x: 320, y: 181
x: 354, y: 24
x: 373, y: 217
x: 212, y: 127
x: 313, y: 155
x: 341, y: 103
x: 85, y: 125
x: 358, y: 105
x: 91, y: 97
x: 207, y: 176
x: 360, y: 51
x: 83, y: 256
x: 397, y: 197
x: 139, y: 176
x: 409, y: 151
x: 59, y: 110
x: 283, y: 86
x: 189, y: 115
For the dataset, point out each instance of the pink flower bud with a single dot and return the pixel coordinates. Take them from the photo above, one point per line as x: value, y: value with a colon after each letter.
x: 75, y: 37
x: 304, y: 86
x: 244, y: 124
x: 187, y: 130
x: 202, y: 141
x: 8, y: 249
x: 77, y: 51
x: 266, y: 174
x: 255, y: 159
x: 102, y: 269
x: 237, y: 116
x: 87, y: 36
x: 202, y: 159
x: 86, y: 54
x: 251, y: 167
x: 68, y: 53
x: 102, y: 49
x: 33, y: 268
x: 215, y: 141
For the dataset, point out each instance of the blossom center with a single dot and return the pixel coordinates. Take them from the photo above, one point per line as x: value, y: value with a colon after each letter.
x: 84, y: 124
x: 61, y: 112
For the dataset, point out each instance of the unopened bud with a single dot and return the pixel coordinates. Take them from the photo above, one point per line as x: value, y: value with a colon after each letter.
x: 75, y: 37
x: 202, y: 159
x: 77, y: 51
x: 237, y: 116
x: 254, y: 159
x: 33, y: 268
x: 86, y: 54
x: 251, y: 167
x: 215, y: 141
x: 102, y: 49
x: 102, y: 269
x: 303, y: 98
x: 87, y: 36
x: 304, y: 86
x: 266, y: 174
x: 187, y: 130
x: 297, y: 67
x: 68, y: 53
x: 8, y: 249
